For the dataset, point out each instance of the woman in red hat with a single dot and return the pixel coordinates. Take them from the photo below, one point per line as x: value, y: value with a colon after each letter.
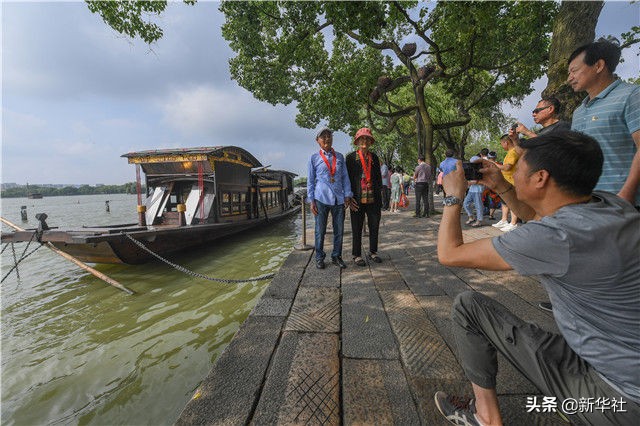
x: 363, y: 167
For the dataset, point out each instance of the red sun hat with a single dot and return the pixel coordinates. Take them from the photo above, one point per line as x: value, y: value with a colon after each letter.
x: 365, y: 131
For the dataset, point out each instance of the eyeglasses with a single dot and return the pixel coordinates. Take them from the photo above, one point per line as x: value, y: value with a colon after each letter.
x: 537, y: 110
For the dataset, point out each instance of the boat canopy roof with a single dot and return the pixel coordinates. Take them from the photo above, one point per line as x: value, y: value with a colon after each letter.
x: 232, y: 154
x: 273, y: 174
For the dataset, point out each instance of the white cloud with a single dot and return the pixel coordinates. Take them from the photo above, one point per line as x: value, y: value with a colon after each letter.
x: 22, y: 120
x: 73, y: 148
x: 208, y: 111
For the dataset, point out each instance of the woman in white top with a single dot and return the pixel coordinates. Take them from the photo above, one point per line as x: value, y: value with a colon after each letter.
x: 396, y: 189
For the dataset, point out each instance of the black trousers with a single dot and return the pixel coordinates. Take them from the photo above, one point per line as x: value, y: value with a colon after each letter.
x: 357, y: 224
x: 386, y: 197
x: 422, y: 193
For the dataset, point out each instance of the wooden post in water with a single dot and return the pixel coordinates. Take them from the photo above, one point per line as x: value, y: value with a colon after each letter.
x: 81, y: 264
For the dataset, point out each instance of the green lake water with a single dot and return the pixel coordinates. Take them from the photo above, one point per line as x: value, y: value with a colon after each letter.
x: 78, y: 351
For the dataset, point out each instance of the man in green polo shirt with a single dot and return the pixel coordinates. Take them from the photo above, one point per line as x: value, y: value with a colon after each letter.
x: 610, y: 114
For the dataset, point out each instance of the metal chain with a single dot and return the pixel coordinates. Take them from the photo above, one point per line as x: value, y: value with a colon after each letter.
x: 193, y: 273
x: 15, y: 259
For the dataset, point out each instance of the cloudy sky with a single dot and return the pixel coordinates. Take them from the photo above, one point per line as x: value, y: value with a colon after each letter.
x: 76, y: 95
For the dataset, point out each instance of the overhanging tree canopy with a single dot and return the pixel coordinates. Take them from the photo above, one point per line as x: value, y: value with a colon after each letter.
x: 338, y: 59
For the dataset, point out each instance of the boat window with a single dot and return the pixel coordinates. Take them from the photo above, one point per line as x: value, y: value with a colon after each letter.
x: 243, y: 202
x: 233, y: 203
x: 225, y: 206
x: 236, y: 203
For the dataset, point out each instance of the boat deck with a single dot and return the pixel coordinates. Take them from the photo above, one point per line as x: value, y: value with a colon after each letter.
x: 367, y: 345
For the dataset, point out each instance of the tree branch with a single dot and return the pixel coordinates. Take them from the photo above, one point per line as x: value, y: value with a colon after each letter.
x: 400, y: 113
x: 451, y: 124
x: 629, y: 43
x: 485, y: 93
x: 421, y: 33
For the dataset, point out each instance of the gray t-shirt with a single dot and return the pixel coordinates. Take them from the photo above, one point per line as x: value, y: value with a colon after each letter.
x: 587, y: 256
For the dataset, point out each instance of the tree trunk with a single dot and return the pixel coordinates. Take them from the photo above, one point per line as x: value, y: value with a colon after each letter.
x: 574, y: 26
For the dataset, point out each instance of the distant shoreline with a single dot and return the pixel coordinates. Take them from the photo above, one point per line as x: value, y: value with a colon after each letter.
x: 47, y: 191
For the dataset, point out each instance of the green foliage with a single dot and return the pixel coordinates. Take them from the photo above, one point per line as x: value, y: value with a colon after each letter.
x: 631, y: 37
x: 300, y: 181
x: 493, y: 40
x: 132, y: 17
x: 47, y: 191
x: 328, y: 57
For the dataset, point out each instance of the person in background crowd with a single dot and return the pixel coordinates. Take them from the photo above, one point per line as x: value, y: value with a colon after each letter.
x: 328, y: 191
x: 592, y: 277
x: 386, y: 189
x: 507, y: 167
x: 474, y: 194
x: 422, y: 178
x: 446, y: 165
x: 545, y: 114
x: 439, y: 174
x: 396, y: 189
x: 611, y: 114
x: 449, y: 162
x: 366, y: 185
x: 406, y: 182
x: 490, y: 199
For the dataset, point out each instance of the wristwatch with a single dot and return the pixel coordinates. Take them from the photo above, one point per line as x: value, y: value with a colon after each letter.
x: 451, y: 201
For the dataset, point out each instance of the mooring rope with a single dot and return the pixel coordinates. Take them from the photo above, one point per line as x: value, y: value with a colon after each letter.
x: 20, y: 260
x: 193, y: 273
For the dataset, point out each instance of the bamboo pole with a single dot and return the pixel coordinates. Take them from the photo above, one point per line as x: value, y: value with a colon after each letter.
x: 79, y: 263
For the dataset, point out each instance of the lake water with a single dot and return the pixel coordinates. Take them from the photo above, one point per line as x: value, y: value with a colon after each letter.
x: 78, y: 351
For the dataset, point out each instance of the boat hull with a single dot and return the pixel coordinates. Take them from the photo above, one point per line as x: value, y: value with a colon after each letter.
x: 114, y: 245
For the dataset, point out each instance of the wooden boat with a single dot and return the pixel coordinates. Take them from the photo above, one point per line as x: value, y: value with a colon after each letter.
x: 193, y: 197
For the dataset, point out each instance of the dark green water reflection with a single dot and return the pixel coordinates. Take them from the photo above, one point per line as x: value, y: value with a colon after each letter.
x: 75, y: 350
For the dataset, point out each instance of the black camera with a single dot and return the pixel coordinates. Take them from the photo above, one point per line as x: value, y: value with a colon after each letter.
x: 472, y: 171
x: 514, y: 126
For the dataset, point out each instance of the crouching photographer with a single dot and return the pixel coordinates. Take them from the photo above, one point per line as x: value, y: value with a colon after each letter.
x: 583, y: 246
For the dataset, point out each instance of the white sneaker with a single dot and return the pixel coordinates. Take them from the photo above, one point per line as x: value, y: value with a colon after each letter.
x: 500, y: 224
x: 508, y: 227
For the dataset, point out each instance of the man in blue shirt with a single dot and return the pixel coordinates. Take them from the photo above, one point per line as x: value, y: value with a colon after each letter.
x: 449, y: 163
x: 328, y: 190
x: 610, y: 114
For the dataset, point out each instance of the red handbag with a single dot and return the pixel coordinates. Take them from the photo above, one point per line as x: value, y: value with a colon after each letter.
x: 404, y: 201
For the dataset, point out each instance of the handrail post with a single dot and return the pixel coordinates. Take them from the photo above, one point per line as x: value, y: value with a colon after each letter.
x: 304, y: 245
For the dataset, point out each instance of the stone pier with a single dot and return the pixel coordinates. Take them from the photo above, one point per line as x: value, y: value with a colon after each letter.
x: 366, y: 345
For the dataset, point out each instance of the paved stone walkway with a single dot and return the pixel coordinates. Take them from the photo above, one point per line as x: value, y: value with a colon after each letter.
x: 368, y: 345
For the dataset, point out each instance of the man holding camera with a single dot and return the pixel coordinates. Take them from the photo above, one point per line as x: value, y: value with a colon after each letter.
x: 546, y: 114
x: 592, y: 277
